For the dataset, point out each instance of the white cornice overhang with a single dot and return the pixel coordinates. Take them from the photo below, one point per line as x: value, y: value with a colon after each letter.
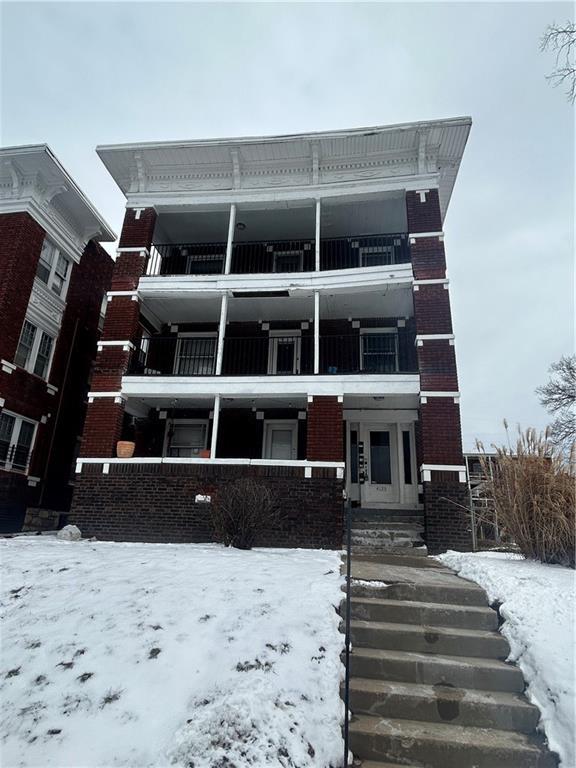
x: 32, y: 180
x: 332, y: 281
x: 176, y: 387
x: 419, y: 155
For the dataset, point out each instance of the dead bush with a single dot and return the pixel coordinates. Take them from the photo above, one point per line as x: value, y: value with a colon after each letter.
x: 533, y: 488
x: 243, y: 509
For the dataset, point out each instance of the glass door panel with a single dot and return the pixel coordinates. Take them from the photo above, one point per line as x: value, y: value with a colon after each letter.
x: 380, y: 465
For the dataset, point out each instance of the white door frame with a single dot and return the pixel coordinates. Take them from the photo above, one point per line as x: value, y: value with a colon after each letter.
x: 269, y: 425
x: 404, y: 421
x: 274, y: 337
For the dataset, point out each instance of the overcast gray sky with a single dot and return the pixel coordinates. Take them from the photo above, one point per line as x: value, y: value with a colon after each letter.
x: 76, y: 75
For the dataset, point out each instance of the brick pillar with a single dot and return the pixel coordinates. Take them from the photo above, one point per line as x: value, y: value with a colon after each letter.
x: 103, y: 425
x: 439, y: 431
x: 324, y: 437
x: 21, y: 241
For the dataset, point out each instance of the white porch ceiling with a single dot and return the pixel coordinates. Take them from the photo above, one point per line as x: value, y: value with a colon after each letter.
x: 386, y: 302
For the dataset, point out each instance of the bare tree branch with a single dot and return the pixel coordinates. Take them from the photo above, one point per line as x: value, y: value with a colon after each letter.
x: 558, y: 396
x: 562, y: 40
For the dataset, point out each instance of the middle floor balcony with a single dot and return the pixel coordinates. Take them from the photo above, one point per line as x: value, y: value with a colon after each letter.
x: 278, y: 352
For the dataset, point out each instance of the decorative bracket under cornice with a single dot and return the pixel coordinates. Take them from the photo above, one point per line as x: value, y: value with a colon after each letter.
x: 236, y: 173
x: 16, y: 176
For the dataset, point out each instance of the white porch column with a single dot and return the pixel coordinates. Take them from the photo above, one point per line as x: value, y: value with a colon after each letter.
x: 230, y: 241
x: 221, y: 334
x: 215, y: 421
x: 317, y: 241
x: 316, y: 332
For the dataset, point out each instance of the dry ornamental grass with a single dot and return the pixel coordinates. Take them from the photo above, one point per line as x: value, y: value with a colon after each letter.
x: 533, y: 486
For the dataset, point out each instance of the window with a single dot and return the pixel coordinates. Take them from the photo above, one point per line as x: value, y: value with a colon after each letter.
x: 34, y: 350
x: 280, y: 440
x: 379, y: 351
x: 196, y: 355
x: 186, y: 438
x: 284, y: 352
x: 43, y: 356
x: 53, y: 268
x: 16, y: 439
x: 25, y: 345
x: 407, y: 456
x: 380, y: 464
x: 376, y: 255
x: 288, y: 261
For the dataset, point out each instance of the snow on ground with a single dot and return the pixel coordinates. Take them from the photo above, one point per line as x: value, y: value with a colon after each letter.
x: 155, y: 655
x: 538, y: 608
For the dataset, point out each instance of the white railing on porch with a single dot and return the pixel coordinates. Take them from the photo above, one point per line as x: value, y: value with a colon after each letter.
x: 307, y: 466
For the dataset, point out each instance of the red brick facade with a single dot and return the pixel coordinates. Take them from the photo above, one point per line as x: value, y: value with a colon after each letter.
x: 325, y: 439
x: 21, y: 241
x: 104, y: 419
x: 58, y: 410
x: 438, y: 432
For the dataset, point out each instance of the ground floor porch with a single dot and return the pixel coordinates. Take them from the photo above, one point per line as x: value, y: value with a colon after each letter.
x: 369, y: 442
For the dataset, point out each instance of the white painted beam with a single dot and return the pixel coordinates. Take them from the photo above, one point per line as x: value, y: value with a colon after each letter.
x: 230, y: 240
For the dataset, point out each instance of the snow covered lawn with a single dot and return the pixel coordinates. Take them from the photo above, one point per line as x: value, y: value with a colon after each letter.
x: 538, y: 608
x: 154, y: 655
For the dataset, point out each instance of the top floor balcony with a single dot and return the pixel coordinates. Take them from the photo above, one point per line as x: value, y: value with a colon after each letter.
x: 301, y: 237
x: 278, y: 256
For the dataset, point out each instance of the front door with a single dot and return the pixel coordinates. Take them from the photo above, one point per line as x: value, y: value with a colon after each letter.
x: 381, y: 464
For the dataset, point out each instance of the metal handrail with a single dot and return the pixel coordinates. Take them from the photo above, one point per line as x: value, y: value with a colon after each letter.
x: 347, y: 634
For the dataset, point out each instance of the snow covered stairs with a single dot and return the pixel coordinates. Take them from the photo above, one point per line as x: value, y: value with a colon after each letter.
x: 376, y: 531
x: 430, y: 687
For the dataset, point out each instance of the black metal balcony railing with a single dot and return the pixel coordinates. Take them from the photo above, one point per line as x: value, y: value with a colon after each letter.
x: 284, y: 256
x: 14, y: 456
x: 276, y: 355
x: 187, y: 259
x: 364, y: 251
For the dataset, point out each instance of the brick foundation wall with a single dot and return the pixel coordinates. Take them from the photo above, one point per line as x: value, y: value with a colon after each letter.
x: 447, y: 525
x: 156, y: 503
x: 325, y: 436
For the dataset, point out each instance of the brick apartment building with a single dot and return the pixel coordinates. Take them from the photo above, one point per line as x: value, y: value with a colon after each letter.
x: 279, y: 309
x: 53, y: 278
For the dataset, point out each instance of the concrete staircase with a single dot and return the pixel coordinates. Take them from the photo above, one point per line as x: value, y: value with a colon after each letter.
x: 393, y: 531
x: 430, y: 687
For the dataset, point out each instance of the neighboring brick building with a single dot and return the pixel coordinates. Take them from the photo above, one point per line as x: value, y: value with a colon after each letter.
x: 279, y: 308
x: 53, y: 278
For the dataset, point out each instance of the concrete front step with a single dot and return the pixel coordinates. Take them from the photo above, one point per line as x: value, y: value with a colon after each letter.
x: 453, y: 595
x: 430, y: 614
x: 443, y: 704
x: 410, y: 518
x: 385, y: 537
x: 436, y: 745
x: 456, y: 671
x: 429, y: 640
x: 393, y: 525
x: 416, y: 557
x: 413, y: 549
x: 375, y: 764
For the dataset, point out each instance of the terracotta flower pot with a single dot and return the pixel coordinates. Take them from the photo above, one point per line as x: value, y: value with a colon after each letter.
x: 125, y: 449
x: 205, y: 453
